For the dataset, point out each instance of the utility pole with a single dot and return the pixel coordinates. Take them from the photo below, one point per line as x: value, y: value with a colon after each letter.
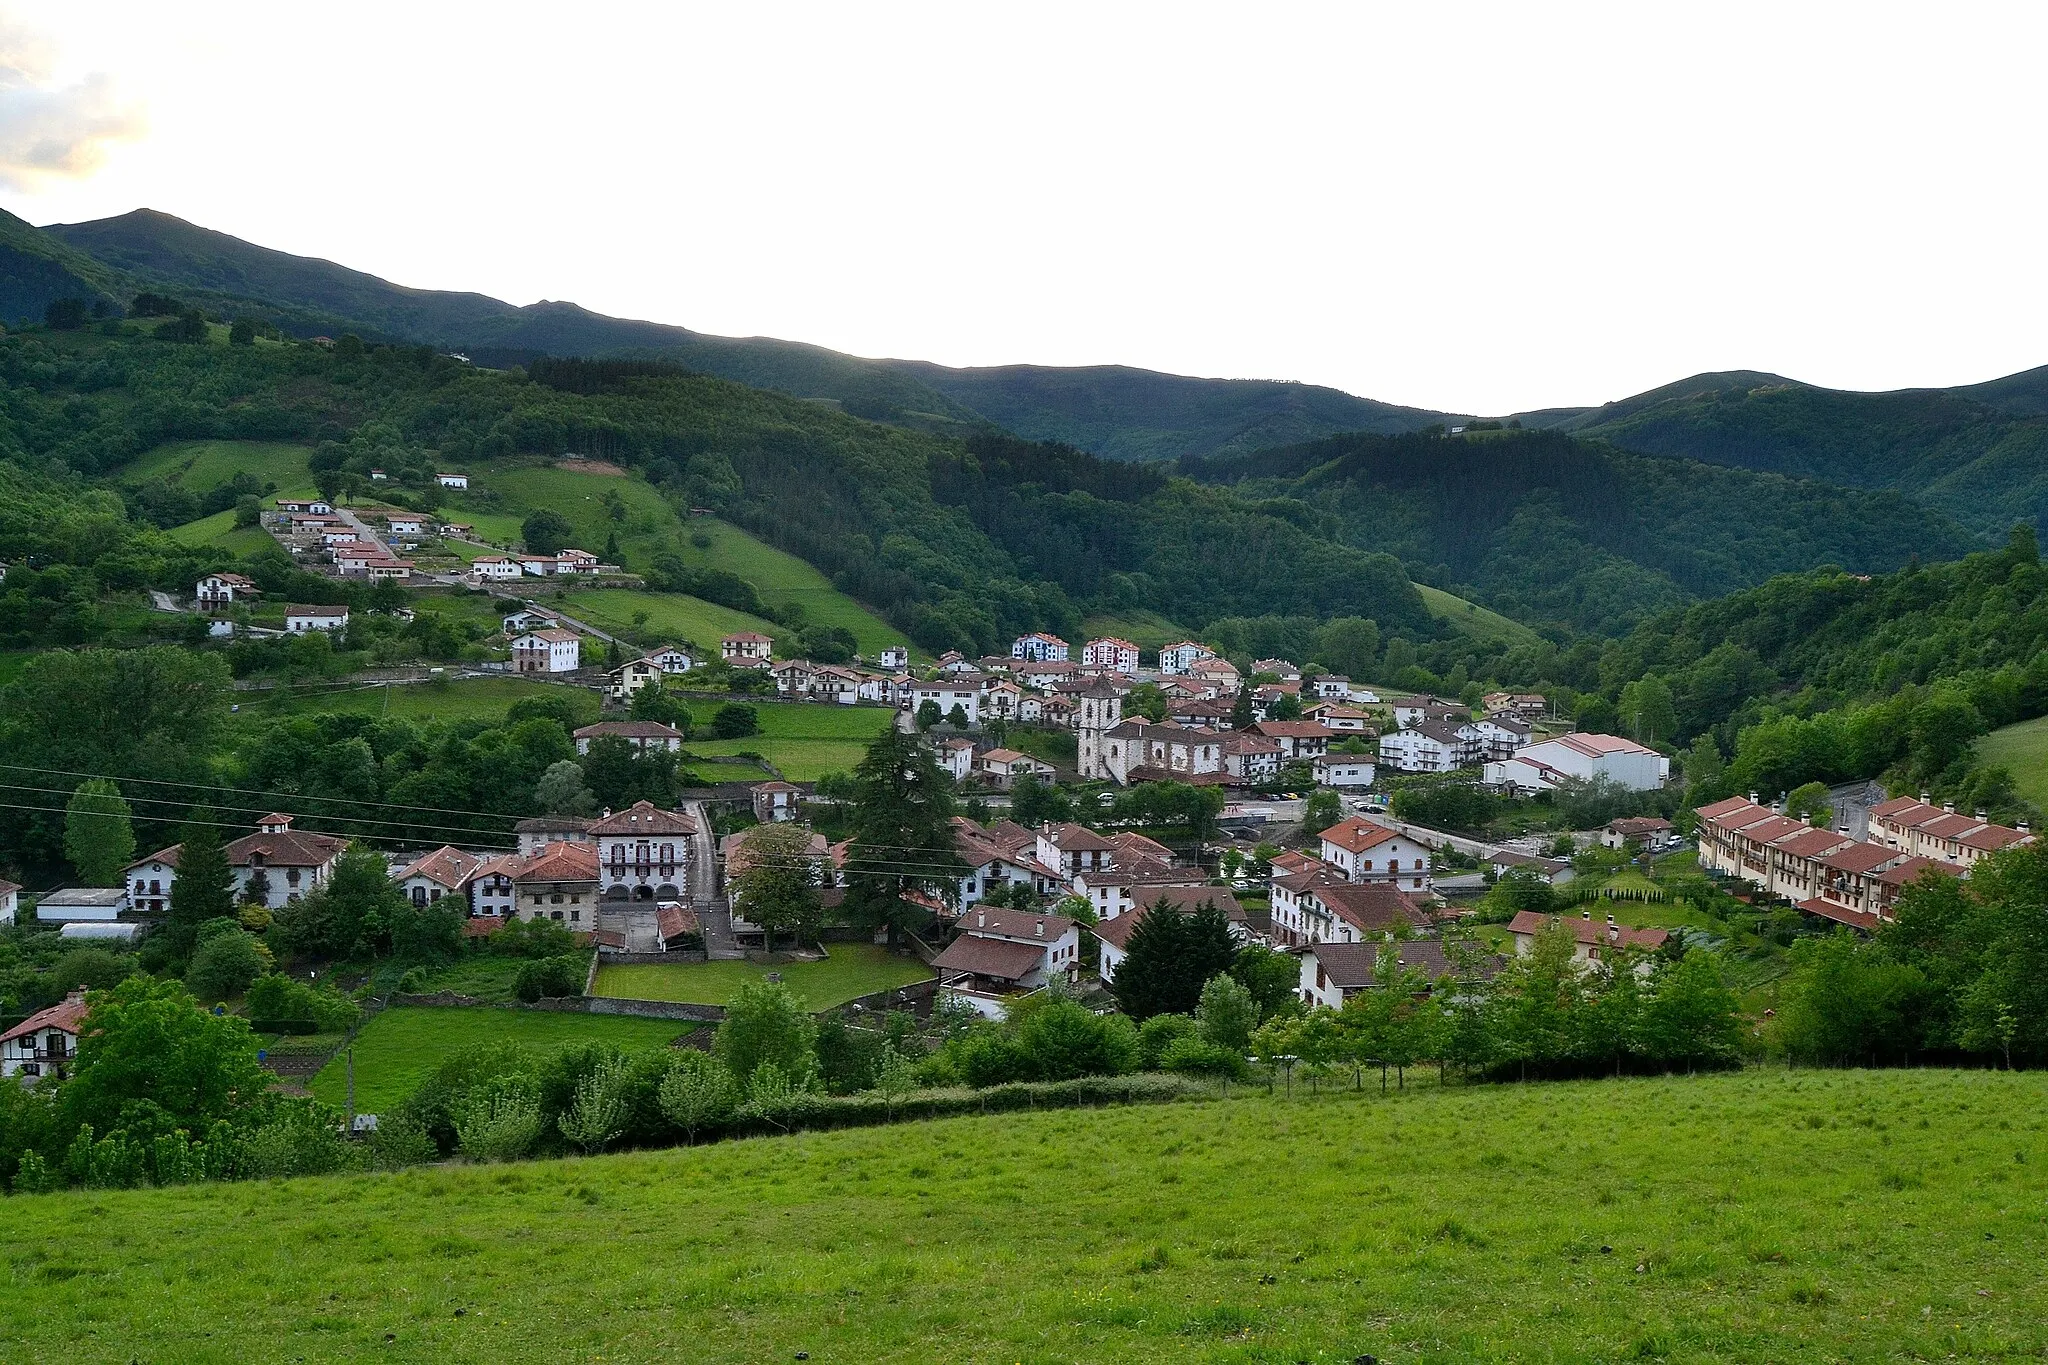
x: 351, y: 1092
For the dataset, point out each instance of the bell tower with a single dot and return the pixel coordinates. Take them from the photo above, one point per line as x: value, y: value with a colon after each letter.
x: 1101, y: 708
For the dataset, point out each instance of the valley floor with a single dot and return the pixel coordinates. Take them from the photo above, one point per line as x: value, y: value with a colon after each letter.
x: 1767, y: 1215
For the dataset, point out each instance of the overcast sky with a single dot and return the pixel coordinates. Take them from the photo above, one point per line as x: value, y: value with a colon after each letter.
x: 1469, y: 207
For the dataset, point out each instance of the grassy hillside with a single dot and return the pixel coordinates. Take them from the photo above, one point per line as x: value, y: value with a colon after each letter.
x: 1758, y: 1216
x: 1474, y: 620
x: 804, y: 740
x: 853, y: 970
x: 205, y: 465
x: 2022, y: 749
x: 219, y: 530
x: 459, y: 699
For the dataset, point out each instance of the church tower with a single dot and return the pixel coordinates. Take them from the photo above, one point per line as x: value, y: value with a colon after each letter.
x: 1102, y: 707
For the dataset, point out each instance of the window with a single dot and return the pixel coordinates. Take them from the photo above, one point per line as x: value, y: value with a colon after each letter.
x: 291, y: 876
x: 555, y: 899
x: 576, y: 916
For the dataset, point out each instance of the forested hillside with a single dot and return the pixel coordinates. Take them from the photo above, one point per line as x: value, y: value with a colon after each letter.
x: 1576, y: 534
x: 855, y: 498
x: 1979, y: 453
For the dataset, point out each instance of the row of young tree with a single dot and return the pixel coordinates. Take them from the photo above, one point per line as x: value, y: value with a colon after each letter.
x: 1962, y: 972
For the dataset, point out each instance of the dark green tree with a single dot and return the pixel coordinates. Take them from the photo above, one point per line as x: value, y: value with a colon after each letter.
x: 204, y: 887
x: 902, y: 841
x: 1169, y: 958
x: 546, y: 532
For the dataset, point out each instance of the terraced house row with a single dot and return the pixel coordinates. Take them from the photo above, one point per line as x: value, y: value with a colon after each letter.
x: 1825, y: 872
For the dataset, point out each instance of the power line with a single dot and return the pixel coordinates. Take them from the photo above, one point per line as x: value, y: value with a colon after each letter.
x: 248, y: 810
x: 255, y: 791
x: 363, y: 838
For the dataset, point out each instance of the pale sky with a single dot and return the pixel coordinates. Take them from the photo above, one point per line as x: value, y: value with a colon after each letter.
x: 1473, y: 207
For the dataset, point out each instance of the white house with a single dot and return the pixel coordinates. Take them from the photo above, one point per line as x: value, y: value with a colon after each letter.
x: 318, y: 507
x: 629, y: 677
x: 149, y: 880
x: 1362, y: 851
x: 745, y: 649
x: 643, y: 853
x: 963, y: 693
x: 494, y: 566
x: 1001, y: 953
x: 1110, y: 655
x: 404, y: 525
x: 1501, y: 735
x: 300, y: 619
x: 1002, y: 767
x: 444, y: 872
x: 1344, y: 770
x: 1181, y: 657
x: 1297, y: 739
x: 552, y: 650
x: 956, y: 756
x: 1039, y: 648
x: 338, y: 535
x: 218, y: 590
x: 1251, y: 758
x: 641, y: 734
x: 272, y: 867
x: 669, y: 659
x: 775, y: 802
x: 1415, y: 710
x: 524, y: 620
x: 452, y: 480
x: 1430, y: 747
x: 894, y: 659
x: 10, y: 900
x: 44, y: 1043
x: 536, y: 832
x: 1541, y: 767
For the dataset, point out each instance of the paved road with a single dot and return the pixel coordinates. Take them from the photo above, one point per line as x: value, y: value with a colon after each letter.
x: 163, y: 601
x: 713, y: 912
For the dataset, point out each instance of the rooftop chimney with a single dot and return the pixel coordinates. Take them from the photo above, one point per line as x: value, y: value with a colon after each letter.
x: 1983, y: 816
x: 2024, y: 827
x: 1949, y: 807
x: 1038, y: 927
x: 1923, y: 798
x: 1585, y: 914
x: 981, y: 920
x: 1752, y: 798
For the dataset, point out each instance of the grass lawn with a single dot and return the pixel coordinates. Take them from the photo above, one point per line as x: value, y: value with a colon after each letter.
x: 2022, y: 748
x: 205, y: 465
x: 675, y: 618
x: 220, y: 529
x: 454, y: 700
x: 1765, y: 1216
x: 396, y: 1050
x: 805, y: 740
x: 1473, y: 619
x: 483, y: 978
x: 853, y: 970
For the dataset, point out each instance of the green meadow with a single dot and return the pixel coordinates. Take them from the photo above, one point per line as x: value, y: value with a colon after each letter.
x: 457, y: 699
x: 2022, y: 748
x: 402, y: 1046
x: 852, y: 970
x: 205, y: 465
x: 1758, y: 1216
x: 805, y: 740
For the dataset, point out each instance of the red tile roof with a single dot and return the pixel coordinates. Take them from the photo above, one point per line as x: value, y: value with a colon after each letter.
x: 1372, y: 909
x: 994, y: 957
x: 64, y: 1016
x: 644, y: 817
x: 1357, y: 834
x: 1841, y: 914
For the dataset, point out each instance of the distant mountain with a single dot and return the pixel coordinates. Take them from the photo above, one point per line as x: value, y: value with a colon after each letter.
x: 1115, y: 411
x: 1129, y: 414
x: 1978, y: 452
x: 37, y: 269
x: 1555, y: 530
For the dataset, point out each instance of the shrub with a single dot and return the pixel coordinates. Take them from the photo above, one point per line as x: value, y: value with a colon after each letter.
x: 500, y: 1121
x: 225, y: 965
x: 1195, y: 1056
x: 550, y: 977
x: 1159, y: 1033
x: 1063, y: 1040
x: 698, y: 1093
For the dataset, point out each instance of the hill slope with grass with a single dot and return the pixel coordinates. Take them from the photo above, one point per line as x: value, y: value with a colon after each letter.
x: 1749, y: 1216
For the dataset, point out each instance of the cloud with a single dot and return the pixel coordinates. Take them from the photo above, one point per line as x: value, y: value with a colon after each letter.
x: 50, y: 130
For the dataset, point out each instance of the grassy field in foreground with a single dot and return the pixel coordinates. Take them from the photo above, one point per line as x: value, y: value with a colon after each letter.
x: 205, y: 465
x: 400, y: 1047
x: 2023, y: 748
x: 1766, y: 1216
x: 853, y: 970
